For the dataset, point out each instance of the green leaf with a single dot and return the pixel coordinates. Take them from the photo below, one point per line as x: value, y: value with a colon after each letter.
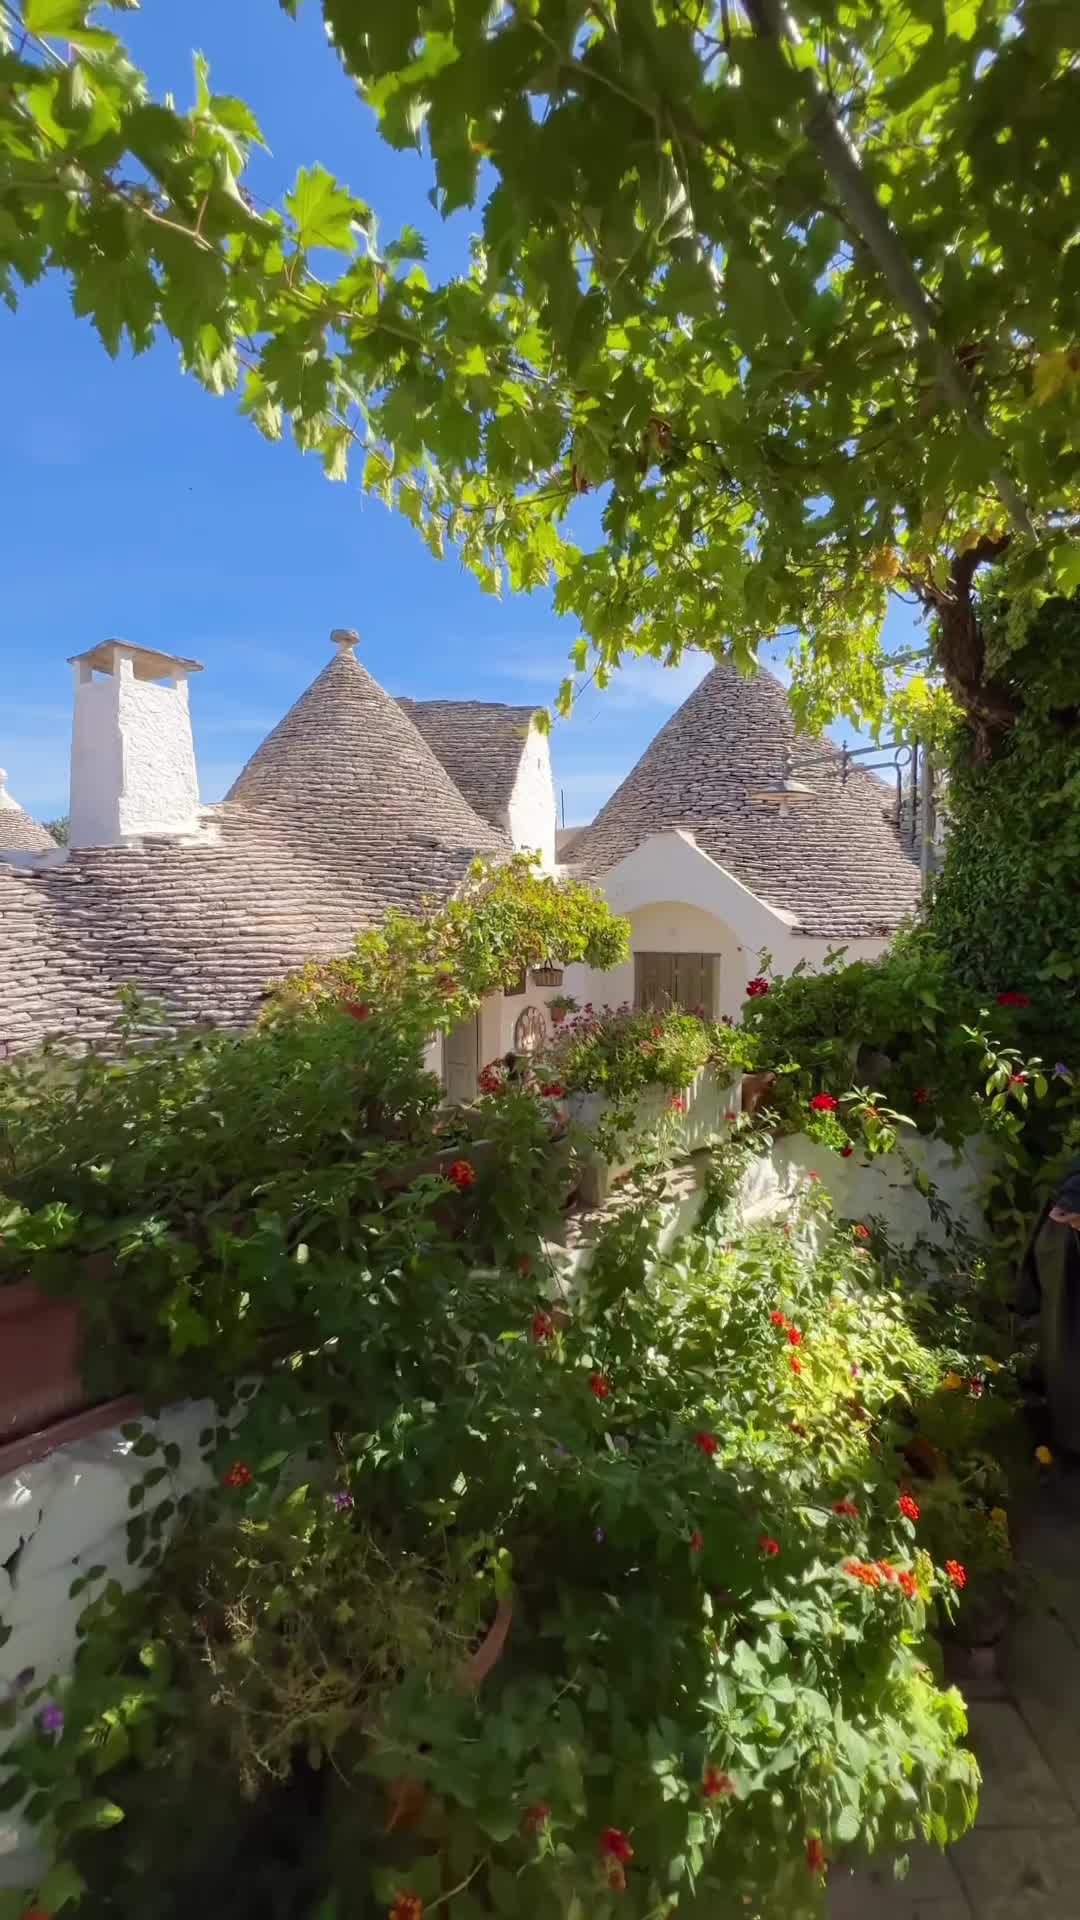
x: 92, y: 1814
x: 65, y: 20
x: 62, y: 1884
x: 323, y: 211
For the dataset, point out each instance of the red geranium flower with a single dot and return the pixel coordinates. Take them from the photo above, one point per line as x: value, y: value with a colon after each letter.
x: 755, y: 988
x: 461, y: 1174
x: 824, y: 1103
x: 908, y: 1507
x: 768, y: 1545
x: 1017, y: 1079
x: 656, y: 1032
x: 1010, y: 998
x: 777, y: 1318
x: 676, y: 1103
x: 615, y: 1844
x: 956, y: 1573
x: 697, y: 1541
x: 847, y: 1507
x: 794, y: 1337
x: 542, y: 1326
x: 407, y: 1906
x: 705, y: 1442
x: 554, y: 1090
x: 907, y: 1583
x: 920, y: 1095
x: 238, y: 1475
x: 491, y: 1080
x: 714, y: 1782
x: 795, y: 1363
x: 886, y: 1569
x: 600, y: 1385
x: 862, y: 1570
x: 815, y: 1853
x: 359, y: 1009
x: 846, y: 1152
x: 860, y: 1232
x: 536, y: 1816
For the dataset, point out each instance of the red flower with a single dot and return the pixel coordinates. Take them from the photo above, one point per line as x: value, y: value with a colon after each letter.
x: 461, y: 1174
x: 907, y: 1583
x: 795, y: 1363
x: 886, y: 1570
x: 524, y: 1264
x: 812, y: 1176
x: 755, y: 988
x: 908, y: 1507
x: 768, y: 1545
x: 554, y: 1090
x: 1017, y: 1079
x: 714, y: 1782
x: 860, y: 1232
x: 1010, y: 998
x: 862, y: 1570
x: 359, y: 1009
x: 956, y: 1573
x: 846, y: 1152
x: 921, y: 1095
x: 238, y: 1475
x: 824, y: 1103
x: 407, y: 1906
x: 975, y: 1385
x: 536, y: 1816
x: 600, y: 1385
x: 542, y: 1326
x: 615, y: 1845
x: 705, y: 1442
x: 815, y: 1853
x: 656, y: 1032
x: 676, y: 1103
x: 846, y: 1507
x: 731, y: 1113
x: 777, y: 1318
x: 697, y: 1541
x: 794, y: 1337
x: 616, y: 1878
x: 491, y: 1080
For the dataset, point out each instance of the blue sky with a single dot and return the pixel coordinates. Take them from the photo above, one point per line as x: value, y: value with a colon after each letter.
x: 134, y: 504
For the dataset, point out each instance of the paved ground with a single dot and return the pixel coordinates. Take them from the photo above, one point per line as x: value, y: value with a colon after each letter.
x: 1022, y: 1862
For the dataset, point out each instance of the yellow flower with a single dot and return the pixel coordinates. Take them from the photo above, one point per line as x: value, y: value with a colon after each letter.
x: 999, y: 1519
x: 1043, y: 1455
x: 952, y: 1382
x: 992, y: 1366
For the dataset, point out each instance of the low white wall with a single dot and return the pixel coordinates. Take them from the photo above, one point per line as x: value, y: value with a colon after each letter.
x: 713, y: 1103
x: 59, y: 1517
x: 882, y: 1186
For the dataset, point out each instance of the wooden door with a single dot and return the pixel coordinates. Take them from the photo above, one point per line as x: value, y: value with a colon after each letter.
x: 461, y: 1060
x: 675, y: 980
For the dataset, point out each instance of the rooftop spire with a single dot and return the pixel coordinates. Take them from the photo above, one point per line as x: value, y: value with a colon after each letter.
x: 344, y: 639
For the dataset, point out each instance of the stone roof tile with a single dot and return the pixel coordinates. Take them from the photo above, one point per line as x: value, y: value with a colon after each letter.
x: 480, y: 744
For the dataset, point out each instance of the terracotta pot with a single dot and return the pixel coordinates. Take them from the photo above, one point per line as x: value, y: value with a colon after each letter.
x: 39, y: 1360
x: 755, y: 1087
x: 558, y: 1015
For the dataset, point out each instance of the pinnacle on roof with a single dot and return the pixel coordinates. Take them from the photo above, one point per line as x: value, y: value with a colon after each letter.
x: 835, y: 863
x: 19, y: 832
x: 346, y: 749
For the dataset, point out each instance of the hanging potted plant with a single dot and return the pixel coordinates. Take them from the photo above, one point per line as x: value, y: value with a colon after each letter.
x: 547, y: 975
x: 559, y: 1006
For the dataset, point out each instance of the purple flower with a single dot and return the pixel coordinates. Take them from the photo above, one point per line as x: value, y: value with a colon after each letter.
x: 51, y: 1718
x: 342, y: 1500
x: 1062, y: 1070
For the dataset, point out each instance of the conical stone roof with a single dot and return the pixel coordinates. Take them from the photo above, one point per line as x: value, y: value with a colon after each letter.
x: 347, y: 753
x: 19, y: 832
x: 835, y: 862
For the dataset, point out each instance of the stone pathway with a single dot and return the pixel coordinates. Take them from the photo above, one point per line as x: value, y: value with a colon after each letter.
x: 1022, y: 1861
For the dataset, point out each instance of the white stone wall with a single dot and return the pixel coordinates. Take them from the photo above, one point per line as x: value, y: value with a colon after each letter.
x: 59, y: 1517
x: 160, y: 790
x: 97, y: 764
x: 882, y: 1186
x: 531, y: 814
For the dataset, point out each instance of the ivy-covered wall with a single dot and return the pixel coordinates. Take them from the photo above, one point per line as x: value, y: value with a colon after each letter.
x: 1007, y: 903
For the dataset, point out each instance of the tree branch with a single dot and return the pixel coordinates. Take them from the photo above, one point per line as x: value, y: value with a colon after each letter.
x: 829, y: 141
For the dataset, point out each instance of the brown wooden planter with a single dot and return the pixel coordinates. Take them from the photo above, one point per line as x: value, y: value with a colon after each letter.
x: 547, y: 976
x: 755, y: 1089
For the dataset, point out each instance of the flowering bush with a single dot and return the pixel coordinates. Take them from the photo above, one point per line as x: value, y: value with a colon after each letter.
x: 596, y: 1605
x: 619, y: 1051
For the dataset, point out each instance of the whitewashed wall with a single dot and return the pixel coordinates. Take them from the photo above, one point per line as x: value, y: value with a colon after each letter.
x: 531, y: 814
x: 132, y: 756
x: 59, y: 1517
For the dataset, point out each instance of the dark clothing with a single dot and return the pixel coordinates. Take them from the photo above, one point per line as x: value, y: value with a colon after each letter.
x: 1049, y: 1285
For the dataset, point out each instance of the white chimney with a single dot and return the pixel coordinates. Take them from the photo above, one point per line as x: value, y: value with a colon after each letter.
x: 132, y: 754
